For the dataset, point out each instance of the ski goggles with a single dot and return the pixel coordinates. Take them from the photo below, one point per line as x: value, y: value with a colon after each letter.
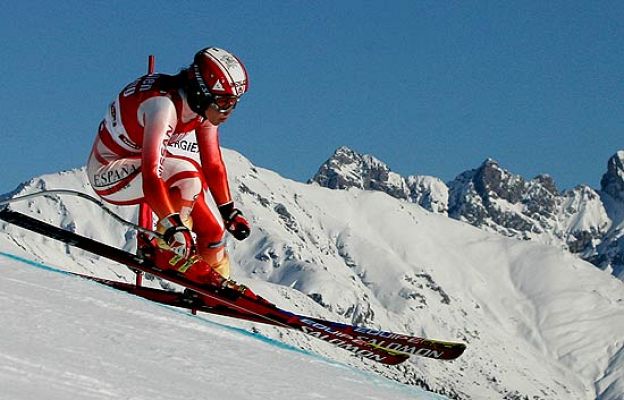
x: 224, y: 103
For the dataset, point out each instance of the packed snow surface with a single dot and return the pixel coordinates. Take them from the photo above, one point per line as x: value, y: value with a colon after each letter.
x: 67, y: 338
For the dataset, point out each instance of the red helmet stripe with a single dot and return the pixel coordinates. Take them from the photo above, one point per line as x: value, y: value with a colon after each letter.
x: 226, y: 74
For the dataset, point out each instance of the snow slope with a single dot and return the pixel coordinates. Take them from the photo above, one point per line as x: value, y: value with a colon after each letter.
x: 539, y: 322
x: 66, y: 338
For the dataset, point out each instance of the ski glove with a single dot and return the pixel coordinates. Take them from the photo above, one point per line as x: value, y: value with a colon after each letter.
x: 177, y: 236
x: 235, y: 223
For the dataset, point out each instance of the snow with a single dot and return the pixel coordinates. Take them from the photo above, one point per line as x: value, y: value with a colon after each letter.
x: 66, y: 338
x: 591, y: 214
x: 538, y: 321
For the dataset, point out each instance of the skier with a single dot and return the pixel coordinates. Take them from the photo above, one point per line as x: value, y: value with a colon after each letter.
x: 130, y: 164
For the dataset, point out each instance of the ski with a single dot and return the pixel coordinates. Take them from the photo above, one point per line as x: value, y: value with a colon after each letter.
x: 401, y: 343
x: 231, y: 295
x: 398, y: 342
x: 176, y: 299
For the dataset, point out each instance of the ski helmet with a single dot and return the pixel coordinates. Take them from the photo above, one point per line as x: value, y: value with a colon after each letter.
x: 215, y: 74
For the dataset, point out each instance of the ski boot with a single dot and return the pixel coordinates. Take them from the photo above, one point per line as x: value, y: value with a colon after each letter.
x: 200, y: 272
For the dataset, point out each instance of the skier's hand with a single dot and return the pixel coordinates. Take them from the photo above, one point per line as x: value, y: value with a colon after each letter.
x: 177, y: 236
x: 234, y: 221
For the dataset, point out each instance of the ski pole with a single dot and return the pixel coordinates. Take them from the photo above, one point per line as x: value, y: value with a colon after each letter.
x: 69, y: 192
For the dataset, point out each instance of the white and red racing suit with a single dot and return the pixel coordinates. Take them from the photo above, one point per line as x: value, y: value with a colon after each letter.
x: 130, y: 163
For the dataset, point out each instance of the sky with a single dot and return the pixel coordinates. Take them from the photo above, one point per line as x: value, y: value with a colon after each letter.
x: 428, y: 87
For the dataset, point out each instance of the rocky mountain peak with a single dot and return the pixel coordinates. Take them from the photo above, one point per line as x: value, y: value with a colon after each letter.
x: 346, y: 169
x: 547, y: 182
x: 493, y: 198
x: 491, y: 181
x: 612, y: 182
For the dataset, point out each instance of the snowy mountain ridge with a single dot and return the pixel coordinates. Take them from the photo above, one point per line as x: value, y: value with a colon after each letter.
x: 539, y: 322
x: 581, y: 220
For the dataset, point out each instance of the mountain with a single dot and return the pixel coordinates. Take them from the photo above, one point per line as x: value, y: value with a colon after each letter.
x: 582, y: 220
x: 539, y: 322
x: 349, y: 169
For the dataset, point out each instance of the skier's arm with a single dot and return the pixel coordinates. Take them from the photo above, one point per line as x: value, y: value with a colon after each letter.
x: 158, y: 117
x: 213, y: 166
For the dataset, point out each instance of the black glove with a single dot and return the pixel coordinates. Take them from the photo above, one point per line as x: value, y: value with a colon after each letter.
x: 177, y: 236
x: 234, y: 221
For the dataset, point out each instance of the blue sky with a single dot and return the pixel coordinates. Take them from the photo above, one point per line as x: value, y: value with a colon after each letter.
x: 429, y: 87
